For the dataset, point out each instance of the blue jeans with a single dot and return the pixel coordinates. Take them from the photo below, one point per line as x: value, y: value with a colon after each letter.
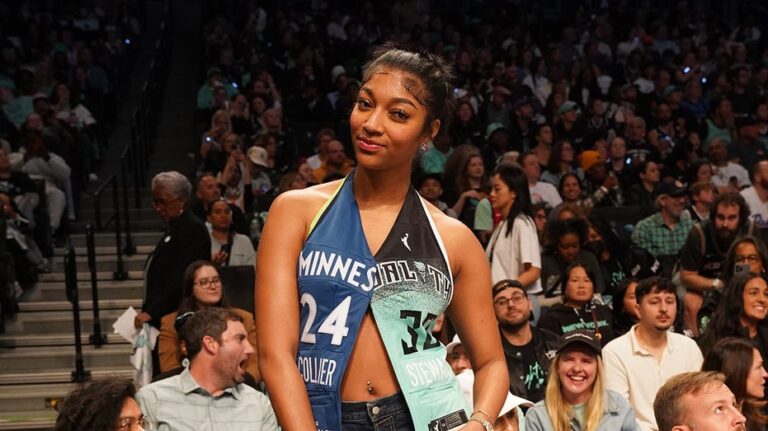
x: 384, y: 414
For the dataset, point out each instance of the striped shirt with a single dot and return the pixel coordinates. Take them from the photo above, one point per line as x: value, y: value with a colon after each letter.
x: 179, y: 403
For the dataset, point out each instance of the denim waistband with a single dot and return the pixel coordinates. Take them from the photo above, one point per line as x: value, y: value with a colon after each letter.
x: 375, y: 410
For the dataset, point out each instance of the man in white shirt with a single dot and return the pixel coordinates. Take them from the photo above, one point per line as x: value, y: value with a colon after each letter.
x: 639, y: 362
x: 724, y: 172
x: 540, y: 191
x: 757, y: 195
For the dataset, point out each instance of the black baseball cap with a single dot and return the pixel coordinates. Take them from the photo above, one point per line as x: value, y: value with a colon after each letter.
x: 587, y: 338
x: 507, y: 284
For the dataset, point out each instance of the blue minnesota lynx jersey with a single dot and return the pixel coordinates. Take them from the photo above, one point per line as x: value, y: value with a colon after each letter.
x: 407, y: 285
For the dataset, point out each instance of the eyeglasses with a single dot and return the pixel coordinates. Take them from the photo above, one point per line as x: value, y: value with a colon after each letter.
x: 514, y: 299
x: 751, y: 258
x: 132, y: 424
x: 205, y: 282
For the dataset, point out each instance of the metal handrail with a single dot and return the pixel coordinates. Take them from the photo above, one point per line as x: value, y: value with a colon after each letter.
x: 120, y: 273
x: 70, y: 272
x: 97, y: 338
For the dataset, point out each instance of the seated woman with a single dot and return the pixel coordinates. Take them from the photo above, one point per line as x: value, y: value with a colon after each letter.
x: 202, y: 288
x: 576, y: 398
x: 102, y: 405
x: 564, y: 241
x: 579, y: 310
x: 625, y: 314
x: 738, y: 314
x: 745, y: 376
x: 228, y: 248
x: 746, y: 254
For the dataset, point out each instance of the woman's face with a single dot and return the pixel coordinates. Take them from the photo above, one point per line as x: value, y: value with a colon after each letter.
x: 704, y: 173
x: 501, y: 197
x: 568, y: 247
x: 756, y: 377
x: 578, y: 287
x: 129, y: 413
x: 465, y: 112
x: 577, y: 369
x: 540, y: 218
x: 306, y: 172
x: 629, y: 301
x: 475, y: 168
x: 566, y: 153
x: 755, y: 297
x: 746, y: 252
x: 651, y: 174
x: 387, y: 122
x: 571, y: 188
x: 258, y: 105
x: 220, y: 216
x: 207, y: 288
x: 229, y: 142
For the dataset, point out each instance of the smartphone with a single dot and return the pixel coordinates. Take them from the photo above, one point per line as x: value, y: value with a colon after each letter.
x: 741, y: 268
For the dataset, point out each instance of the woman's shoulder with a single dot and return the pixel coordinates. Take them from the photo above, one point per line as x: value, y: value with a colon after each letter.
x: 305, y: 202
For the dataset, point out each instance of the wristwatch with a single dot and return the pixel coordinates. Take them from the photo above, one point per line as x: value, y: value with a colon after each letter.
x: 484, y: 422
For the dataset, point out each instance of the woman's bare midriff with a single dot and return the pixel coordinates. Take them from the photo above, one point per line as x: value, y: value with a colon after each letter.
x: 368, y: 363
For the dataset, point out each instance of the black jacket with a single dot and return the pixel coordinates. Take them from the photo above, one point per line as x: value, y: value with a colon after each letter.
x: 562, y: 319
x: 545, y: 344
x: 185, y: 241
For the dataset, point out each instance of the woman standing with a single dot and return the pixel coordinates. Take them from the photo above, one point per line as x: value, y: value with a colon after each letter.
x: 514, y: 245
x: 576, y: 399
x: 376, y: 266
x: 745, y: 376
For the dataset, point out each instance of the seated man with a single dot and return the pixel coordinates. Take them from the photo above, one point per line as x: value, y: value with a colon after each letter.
x: 210, y: 393
x: 699, y: 401
x: 663, y: 233
x: 643, y: 359
x: 702, y: 256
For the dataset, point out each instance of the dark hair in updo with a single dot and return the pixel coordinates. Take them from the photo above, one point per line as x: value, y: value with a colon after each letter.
x: 435, y: 74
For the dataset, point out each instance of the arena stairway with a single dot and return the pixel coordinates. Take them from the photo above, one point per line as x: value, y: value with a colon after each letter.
x: 37, y: 353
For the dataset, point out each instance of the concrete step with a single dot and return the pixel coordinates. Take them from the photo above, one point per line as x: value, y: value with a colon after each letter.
x: 85, y: 304
x: 56, y: 322
x: 34, y: 359
x: 107, y: 239
x: 81, y: 276
x: 137, y: 225
x: 31, y: 340
x: 36, y: 420
x: 108, y: 290
x: 103, y: 251
x: 61, y: 376
x: 103, y: 263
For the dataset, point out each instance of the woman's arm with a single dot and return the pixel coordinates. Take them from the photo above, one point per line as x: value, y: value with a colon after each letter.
x: 277, y: 311
x: 471, y: 313
x: 529, y: 275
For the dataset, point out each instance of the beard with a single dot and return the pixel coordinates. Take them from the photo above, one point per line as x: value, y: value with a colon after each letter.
x: 725, y: 237
x: 514, y: 325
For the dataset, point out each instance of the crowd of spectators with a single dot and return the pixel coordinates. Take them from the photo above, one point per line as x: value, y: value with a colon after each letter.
x: 63, y: 66
x: 611, y: 159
